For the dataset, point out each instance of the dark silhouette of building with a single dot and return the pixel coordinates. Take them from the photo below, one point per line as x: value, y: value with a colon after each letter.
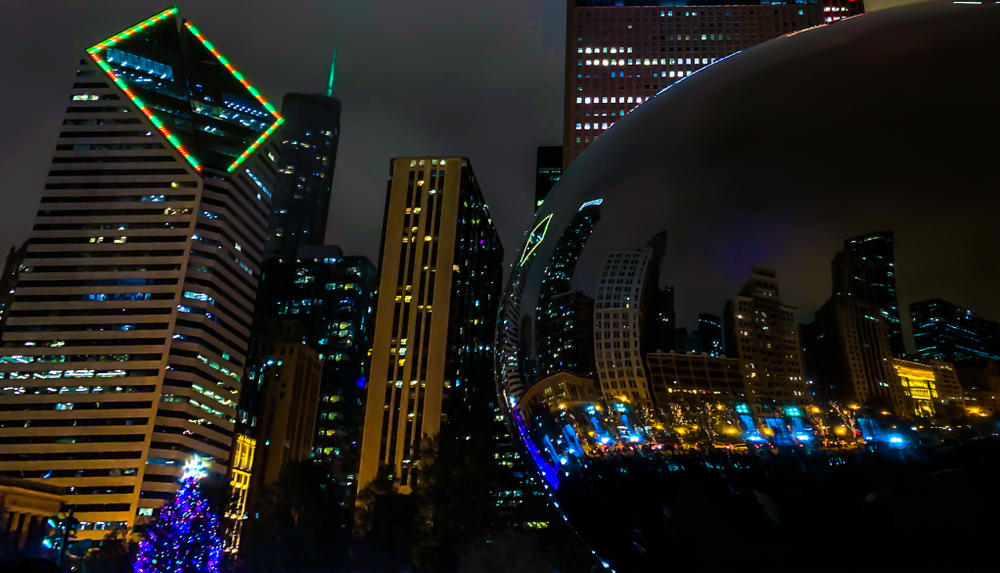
x: 948, y: 332
x: 710, y: 333
x: 620, y: 53
x: 688, y: 342
x: 548, y: 170
x: 554, y: 345
x: 865, y: 269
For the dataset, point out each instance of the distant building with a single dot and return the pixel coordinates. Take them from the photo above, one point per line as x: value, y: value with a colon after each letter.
x: 710, y: 333
x: 763, y: 332
x: 306, y: 163
x: 439, y: 296
x: 548, y: 170
x: 688, y: 342
x: 674, y: 376
x: 240, y: 470
x: 980, y: 382
x: 855, y: 355
x: 553, y: 342
x: 562, y: 389
x: 618, y: 324
x: 287, y: 376
x: 8, y: 282
x: 945, y: 331
x: 620, y: 53
x: 865, y: 269
x: 570, y: 329
x: 927, y: 387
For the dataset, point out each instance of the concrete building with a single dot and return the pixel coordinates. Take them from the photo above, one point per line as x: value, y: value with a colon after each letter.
x: 620, y: 53
x: 439, y: 295
x: 672, y: 375
x: 763, y: 332
x: 28, y: 504
x: 560, y: 390
x: 127, y: 337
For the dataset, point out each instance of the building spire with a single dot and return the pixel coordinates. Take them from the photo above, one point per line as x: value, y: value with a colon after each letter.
x: 333, y: 74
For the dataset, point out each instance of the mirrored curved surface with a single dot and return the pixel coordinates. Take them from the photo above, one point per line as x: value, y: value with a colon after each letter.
x: 729, y: 194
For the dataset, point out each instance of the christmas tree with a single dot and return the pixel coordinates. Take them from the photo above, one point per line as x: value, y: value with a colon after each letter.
x: 186, y: 536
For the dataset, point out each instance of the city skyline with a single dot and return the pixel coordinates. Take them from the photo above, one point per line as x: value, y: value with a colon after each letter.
x: 369, y: 139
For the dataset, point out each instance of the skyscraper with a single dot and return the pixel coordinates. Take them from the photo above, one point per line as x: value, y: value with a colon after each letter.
x: 855, y: 356
x: 948, y: 332
x: 762, y: 331
x: 710, y: 333
x: 553, y: 340
x: 8, y: 282
x: 127, y: 337
x: 439, y: 294
x: 548, y: 170
x: 865, y: 269
x: 303, y: 185
x: 620, y: 53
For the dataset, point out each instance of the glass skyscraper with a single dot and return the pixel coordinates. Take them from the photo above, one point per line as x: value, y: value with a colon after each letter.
x: 127, y: 337
x: 948, y: 332
x: 865, y: 269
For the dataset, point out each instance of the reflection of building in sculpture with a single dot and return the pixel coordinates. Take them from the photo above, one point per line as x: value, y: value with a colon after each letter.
x: 240, y: 469
x: 710, y: 333
x: 864, y: 269
x: 715, y: 378
x: 618, y: 323
x: 432, y: 355
x: 981, y: 385
x: 554, y: 342
x: 28, y: 505
x: 944, y: 331
x: 855, y: 355
x: 688, y: 342
x: 548, y: 170
x: 928, y: 386
x: 560, y: 389
x: 762, y: 331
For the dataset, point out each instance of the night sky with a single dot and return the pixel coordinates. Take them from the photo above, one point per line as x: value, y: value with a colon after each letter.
x: 481, y: 79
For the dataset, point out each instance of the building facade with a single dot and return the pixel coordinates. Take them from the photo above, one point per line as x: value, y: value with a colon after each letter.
x: 548, y: 170
x: 717, y: 378
x: 865, y: 269
x: 946, y: 331
x: 763, y: 332
x: 127, y: 337
x: 618, y: 325
x: 710, y: 333
x: 855, y: 356
x: 439, y: 294
x: 8, y: 283
x: 620, y: 53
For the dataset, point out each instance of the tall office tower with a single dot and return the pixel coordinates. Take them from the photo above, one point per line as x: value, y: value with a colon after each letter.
x: 808, y: 340
x: 8, y: 282
x: 620, y: 53
x: 762, y: 331
x: 710, y: 333
x: 864, y: 269
x: 286, y: 376
x: 304, y: 182
x: 553, y: 341
x: 127, y: 337
x: 332, y: 296
x: 855, y: 355
x: 945, y: 331
x: 432, y: 354
x: 548, y: 170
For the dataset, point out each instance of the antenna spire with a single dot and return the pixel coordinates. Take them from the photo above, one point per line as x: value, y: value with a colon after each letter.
x: 333, y: 74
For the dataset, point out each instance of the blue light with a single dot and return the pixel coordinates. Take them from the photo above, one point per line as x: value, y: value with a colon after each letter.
x: 633, y: 439
x: 564, y: 460
x: 605, y: 440
x: 361, y: 382
x: 896, y: 440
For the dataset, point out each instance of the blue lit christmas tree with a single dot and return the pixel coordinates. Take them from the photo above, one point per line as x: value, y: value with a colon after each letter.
x: 186, y: 537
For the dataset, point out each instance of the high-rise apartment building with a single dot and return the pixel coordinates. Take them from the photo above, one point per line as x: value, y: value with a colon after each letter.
x: 8, y: 282
x: 127, y: 337
x: 439, y: 291
x: 865, y: 269
x: 306, y: 165
x: 710, y: 333
x: 548, y: 170
x: 945, y: 331
x: 763, y: 332
x: 620, y: 53
x: 855, y: 355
